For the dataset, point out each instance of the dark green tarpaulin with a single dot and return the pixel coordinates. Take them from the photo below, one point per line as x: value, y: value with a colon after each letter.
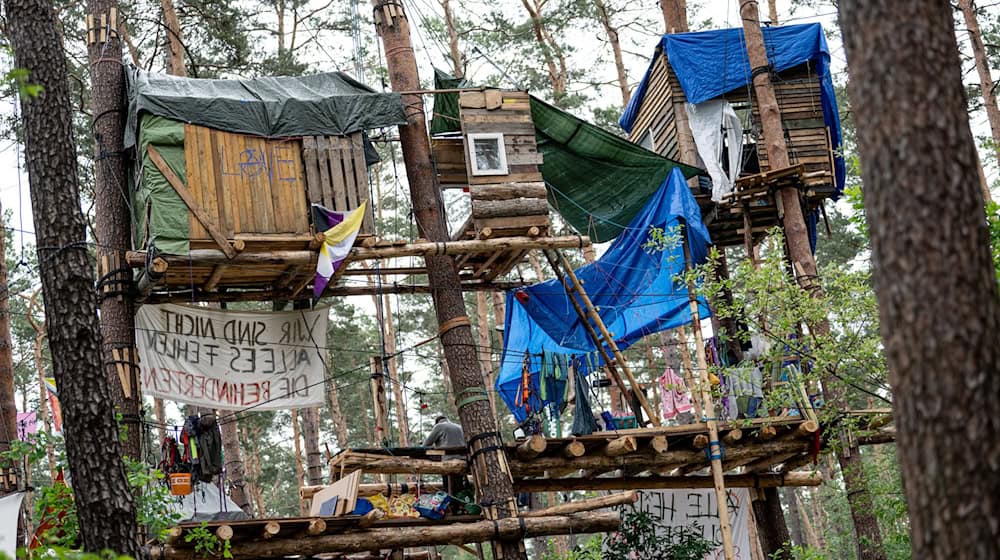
x: 445, y: 117
x: 597, y: 181
x: 273, y: 107
x: 168, y: 227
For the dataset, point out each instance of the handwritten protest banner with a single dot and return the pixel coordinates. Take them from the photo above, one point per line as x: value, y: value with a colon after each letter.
x: 675, y: 509
x: 232, y: 359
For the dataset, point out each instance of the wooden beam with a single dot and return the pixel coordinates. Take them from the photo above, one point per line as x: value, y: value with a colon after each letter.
x: 531, y: 447
x: 573, y: 449
x: 591, y: 504
x: 621, y: 446
x: 538, y: 485
x: 511, y: 528
x: 213, y: 229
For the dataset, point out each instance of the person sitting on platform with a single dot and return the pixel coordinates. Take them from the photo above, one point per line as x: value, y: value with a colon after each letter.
x: 445, y: 434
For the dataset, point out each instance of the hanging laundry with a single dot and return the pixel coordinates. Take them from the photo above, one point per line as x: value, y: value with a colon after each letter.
x: 710, y: 121
x: 210, y: 445
x: 583, y: 415
x: 674, y: 396
x: 746, y: 391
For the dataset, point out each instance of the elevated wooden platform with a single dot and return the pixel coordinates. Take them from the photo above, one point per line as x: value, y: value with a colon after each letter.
x: 271, y: 269
x: 745, y: 215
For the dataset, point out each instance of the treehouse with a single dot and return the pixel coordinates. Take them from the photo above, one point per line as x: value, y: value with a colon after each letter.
x: 696, y: 104
x: 226, y: 174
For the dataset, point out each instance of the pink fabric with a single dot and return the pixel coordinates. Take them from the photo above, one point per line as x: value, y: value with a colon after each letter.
x: 674, y: 396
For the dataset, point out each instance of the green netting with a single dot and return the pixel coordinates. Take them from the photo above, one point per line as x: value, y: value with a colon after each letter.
x: 445, y: 117
x: 596, y: 181
x: 168, y: 227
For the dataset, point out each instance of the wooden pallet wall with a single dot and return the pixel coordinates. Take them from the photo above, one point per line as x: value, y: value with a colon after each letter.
x: 336, y: 174
x: 249, y: 186
x: 658, y: 111
x: 512, y: 204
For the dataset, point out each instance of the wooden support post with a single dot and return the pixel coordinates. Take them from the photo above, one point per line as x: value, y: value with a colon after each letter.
x: 573, y: 449
x: 378, y: 399
x: 621, y: 446
x: 715, y: 448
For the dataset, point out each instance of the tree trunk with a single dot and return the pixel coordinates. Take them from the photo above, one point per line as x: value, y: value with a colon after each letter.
x: 310, y: 438
x: 490, y: 470
x: 811, y: 534
x: 933, y: 273
x: 772, y: 11
x: 675, y: 18
x: 113, y: 228
x: 160, y: 414
x: 339, y: 422
x: 794, y: 517
x: 175, y: 40
x: 235, y: 472
x: 297, y: 449
x: 458, y: 68
x: 392, y: 365
x: 866, y: 529
x: 8, y: 404
x: 985, y: 80
x: 105, y: 507
x: 43, y: 392
x: 616, y: 49
x: 551, y: 53
x: 485, y: 350
x: 771, y: 527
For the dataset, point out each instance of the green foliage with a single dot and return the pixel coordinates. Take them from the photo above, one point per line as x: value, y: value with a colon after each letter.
x: 207, y: 544
x: 796, y: 552
x: 590, y: 550
x: 993, y: 215
x: 642, y: 535
x: 152, y: 498
x: 54, y: 507
x: 62, y: 553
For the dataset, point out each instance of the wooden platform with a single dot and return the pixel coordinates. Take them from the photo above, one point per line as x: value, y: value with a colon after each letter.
x: 283, y: 269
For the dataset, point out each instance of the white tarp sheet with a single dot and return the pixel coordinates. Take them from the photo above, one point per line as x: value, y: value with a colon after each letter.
x: 232, y: 360
x: 10, y: 509
x: 708, y: 120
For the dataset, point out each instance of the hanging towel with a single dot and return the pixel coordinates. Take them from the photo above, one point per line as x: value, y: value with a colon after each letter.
x: 583, y: 415
x: 674, y: 396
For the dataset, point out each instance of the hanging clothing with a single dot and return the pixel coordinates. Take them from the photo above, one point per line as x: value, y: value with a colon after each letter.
x: 583, y: 415
x: 746, y: 391
x: 674, y: 396
x: 210, y: 446
x: 710, y: 121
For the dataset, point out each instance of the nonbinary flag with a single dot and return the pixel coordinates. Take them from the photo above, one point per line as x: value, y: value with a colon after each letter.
x: 50, y: 385
x: 340, y: 229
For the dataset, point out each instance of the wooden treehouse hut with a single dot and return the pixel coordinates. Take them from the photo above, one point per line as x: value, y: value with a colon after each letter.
x: 695, y: 79
x: 226, y: 173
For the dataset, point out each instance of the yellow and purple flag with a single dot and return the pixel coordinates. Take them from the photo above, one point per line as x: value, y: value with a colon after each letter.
x: 54, y: 406
x: 340, y: 229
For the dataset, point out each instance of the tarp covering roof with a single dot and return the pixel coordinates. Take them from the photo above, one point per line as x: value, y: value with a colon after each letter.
x: 596, y: 181
x: 634, y: 285
x: 711, y: 63
x: 320, y: 104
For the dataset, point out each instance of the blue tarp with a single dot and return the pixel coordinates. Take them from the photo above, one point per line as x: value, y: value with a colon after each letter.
x: 633, y: 285
x: 711, y: 63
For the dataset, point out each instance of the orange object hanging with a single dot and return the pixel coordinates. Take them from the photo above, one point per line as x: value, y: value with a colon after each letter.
x: 180, y: 484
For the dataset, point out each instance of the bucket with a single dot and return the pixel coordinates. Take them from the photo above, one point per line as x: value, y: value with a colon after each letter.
x: 180, y: 484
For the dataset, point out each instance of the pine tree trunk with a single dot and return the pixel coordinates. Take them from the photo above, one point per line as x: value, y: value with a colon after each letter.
x: 235, y: 471
x: 771, y: 525
x: 392, y: 365
x: 985, y: 80
x: 933, y: 273
x: 485, y: 353
x: 160, y: 414
x: 105, y: 507
x: 8, y: 404
x: 297, y: 449
x: 113, y: 228
x: 458, y: 69
x: 772, y: 11
x: 616, y: 49
x: 489, y: 468
x: 336, y: 414
x: 38, y: 346
x: 866, y: 529
x: 794, y: 517
x: 550, y: 51
x: 310, y: 438
x: 175, y: 40
x: 675, y: 19
x: 811, y: 533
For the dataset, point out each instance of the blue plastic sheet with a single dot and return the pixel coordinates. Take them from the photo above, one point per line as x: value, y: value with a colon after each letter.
x: 634, y: 285
x: 711, y: 63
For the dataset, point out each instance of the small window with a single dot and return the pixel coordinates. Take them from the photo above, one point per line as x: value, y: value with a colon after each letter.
x: 488, y: 154
x: 646, y: 140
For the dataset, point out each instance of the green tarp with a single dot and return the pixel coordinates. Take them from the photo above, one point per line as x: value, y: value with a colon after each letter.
x: 167, y: 226
x: 273, y: 107
x: 597, y: 181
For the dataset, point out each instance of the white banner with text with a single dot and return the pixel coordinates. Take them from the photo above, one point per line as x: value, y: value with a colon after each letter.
x: 232, y: 360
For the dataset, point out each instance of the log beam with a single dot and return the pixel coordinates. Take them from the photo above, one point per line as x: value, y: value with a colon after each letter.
x: 531, y: 447
x: 667, y: 482
x: 574, y: 449
x: 512, y: 528
x: 591, y: 504
x: 621, y: 446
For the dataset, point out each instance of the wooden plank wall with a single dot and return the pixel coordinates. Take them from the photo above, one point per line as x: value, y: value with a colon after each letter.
x: 515, y: 203
x: 251, y: 186
x: 449, y: 160
x: 658, y: 110
x: 336, y: 174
